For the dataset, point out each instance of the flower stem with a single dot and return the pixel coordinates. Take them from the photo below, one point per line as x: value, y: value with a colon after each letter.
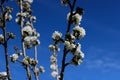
x: 23, y: 45
x: 5, y: 42
x: 68, y: 30
x: 35, y: 57
x: 63, y: 64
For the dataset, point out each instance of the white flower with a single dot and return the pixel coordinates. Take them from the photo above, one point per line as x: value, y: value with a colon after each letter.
x: 33, y: 18
x: 68, y: 45
x: 54, y: 74
x: 29, y: 1
x: 37, y: 34
x: 53, y: 66
x: 51, y: 47
x: 79, y: 61
x: 27, y: 29
x: 72, y: 38
x: 53, y: 58
x: 3, y: 74
x: 14, y: 57
x: 8, y: 17
x: 27, y: 39
x: 38, y: 42
x: 22, y: 14
x: 42, y: 70
x: 1, y: 37
x: 20, y: 53
x: 25, y: 61
x: 56, y: 35
x: 76, y: 18
x: 72, y: 46
x: 17, y: 20
x: 78, y: 49
x: 79, y: 32
x: 34, y: 38
x: 82, y: 54
x: 68, y: 16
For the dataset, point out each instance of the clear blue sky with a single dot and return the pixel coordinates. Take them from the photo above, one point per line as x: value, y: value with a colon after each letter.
x: 101, y: 44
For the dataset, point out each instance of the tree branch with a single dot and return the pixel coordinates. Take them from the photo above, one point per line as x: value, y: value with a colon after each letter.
x: 68, y: 30
x: 23, y: 45
x: 5, y: 42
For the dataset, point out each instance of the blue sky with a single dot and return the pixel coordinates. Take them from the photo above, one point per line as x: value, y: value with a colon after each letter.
x: 100, y: 45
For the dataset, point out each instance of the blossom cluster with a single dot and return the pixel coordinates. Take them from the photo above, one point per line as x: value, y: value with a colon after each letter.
x: 3, y: 75
x: 29, y: 33
x: 8, y: 15
x: 69, y: 42
x: 29, y: 37
x: 54, y: 66
x: 14, y: 57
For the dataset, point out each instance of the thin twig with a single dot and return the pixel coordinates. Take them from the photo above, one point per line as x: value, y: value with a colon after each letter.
x: 68, y: 30
x: 23, y: 45
x: 5, y: 43
x: 35, y: 57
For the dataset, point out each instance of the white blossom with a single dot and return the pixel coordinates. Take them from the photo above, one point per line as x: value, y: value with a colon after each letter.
x: 29, y: 1
x: 24, y: 14
x: 53, y: 66
x: 34, y: 38
x: 3, y: 74
x: 51, y: 47
x: 56, y: 35
x: 33, y: 18
x: 78, y: 49
x: 27, y: 29
x: 42, y: 70
x: 1, y: 37
x: 79, y: 32
x: 17, y: 20
x: 20, y: 53
x: 38, y: 42
x: 8, y: 17
x: 25, y: 61
x: 54, y: 74
x: 27, y: 39
x: 37, y: 34
x: 53, y: 58
x: 82, y: 54
x: 14, y: 57
x: 76, y: 18
x: 69, y: 46
x: 79, y: 61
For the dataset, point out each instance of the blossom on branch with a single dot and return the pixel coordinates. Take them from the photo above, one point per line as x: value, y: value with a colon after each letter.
x: 14, y: 57
x: 3, y: 75
x: 54, y: 74
x: 79, y: 32
x: 1, y: 38
x: 57, y: 35
x: 41, y: 69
